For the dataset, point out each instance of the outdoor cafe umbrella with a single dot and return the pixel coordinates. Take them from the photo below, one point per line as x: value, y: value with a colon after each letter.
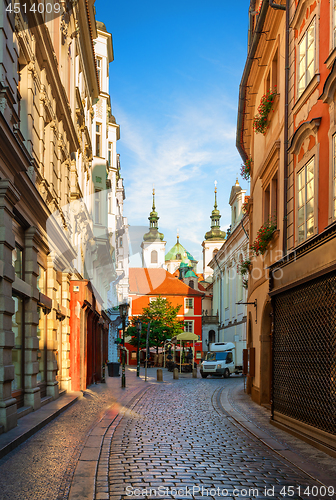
x: 187, y: 337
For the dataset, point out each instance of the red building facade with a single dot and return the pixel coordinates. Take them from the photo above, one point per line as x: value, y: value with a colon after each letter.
x: 88, y: 336
x: 146, y: 285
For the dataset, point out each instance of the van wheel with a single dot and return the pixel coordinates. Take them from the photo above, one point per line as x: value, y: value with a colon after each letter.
x: 226, y: 373
x: 204, y: 375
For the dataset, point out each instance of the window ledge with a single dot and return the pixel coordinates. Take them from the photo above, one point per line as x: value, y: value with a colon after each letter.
x: 330, y: 59
x: 313, y: 84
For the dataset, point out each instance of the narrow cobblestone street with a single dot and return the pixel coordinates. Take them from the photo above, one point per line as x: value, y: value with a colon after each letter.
x: 175, y: 439
x: 182, y: 441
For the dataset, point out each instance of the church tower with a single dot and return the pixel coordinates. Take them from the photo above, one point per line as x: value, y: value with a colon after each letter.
x: 153, y: 247
x: 213, y: 240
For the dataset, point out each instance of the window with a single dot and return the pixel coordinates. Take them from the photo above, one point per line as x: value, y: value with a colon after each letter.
x: 42, y: 281
x: 120, y: 242
x: 275, y: 71
x: 334, y: 178
x: 215, y: 252
x: 97, y: 210
x: 110, y: 203
x: 99, y: 70
x: 17, y: 324
x: 212, y: 335
x: 306, y: 51
x: 17, y: 261
x: 98, y: 139
x: 305, y: 216
x: 271, y: 200
x: 189, y: 303
x: 154, y: 257
x: 189, y: 326
x: 191, y: 284
x: 109, y: 154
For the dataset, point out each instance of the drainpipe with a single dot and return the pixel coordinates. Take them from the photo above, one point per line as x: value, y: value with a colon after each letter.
x: 286, y: 8
x: 220, y: 296
x: 286, y: 132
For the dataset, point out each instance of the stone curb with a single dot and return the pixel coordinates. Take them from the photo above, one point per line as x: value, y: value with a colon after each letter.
x: 90, y: 479
x: 34, y: 421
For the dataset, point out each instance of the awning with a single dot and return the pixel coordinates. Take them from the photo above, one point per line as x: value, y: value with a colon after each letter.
x: 191, y: 337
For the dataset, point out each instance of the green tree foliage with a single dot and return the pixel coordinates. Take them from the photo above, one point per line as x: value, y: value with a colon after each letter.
x: 163, y: 324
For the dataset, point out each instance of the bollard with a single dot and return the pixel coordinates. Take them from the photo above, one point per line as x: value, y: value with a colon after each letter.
x: 159, y: 376
x: 194, y: 372
x: 175, y: 374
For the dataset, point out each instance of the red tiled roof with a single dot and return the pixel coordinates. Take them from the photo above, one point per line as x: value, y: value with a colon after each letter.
x: 145, y: 281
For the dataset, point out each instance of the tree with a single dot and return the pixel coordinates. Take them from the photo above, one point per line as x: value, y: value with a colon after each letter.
x: 164, y: 324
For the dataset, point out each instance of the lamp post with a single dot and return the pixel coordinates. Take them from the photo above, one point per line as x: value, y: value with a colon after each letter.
x: 123, y: 308
x: 138, y: 325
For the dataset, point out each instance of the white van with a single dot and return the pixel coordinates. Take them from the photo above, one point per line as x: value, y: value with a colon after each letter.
x: 223, y: 359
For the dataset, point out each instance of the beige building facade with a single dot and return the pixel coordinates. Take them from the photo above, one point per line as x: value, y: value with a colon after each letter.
x: 49, y: 83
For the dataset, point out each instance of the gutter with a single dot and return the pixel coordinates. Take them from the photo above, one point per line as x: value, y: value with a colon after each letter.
x: 220, y: 296
x: 255, y: 37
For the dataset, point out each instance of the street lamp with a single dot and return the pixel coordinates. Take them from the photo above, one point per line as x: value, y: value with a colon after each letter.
x: 123, y: 308
x: 138, y: 325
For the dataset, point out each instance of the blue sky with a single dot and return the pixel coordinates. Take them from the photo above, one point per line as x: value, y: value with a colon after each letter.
x: 174, y: 88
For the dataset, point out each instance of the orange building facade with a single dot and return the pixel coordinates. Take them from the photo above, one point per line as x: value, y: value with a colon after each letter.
x: 146, y: 285
x: 291, y: 318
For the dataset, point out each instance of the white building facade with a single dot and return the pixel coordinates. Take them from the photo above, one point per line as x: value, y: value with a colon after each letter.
x: 229, y: 285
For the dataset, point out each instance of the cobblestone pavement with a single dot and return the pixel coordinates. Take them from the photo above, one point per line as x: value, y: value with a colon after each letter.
x: 178, y: 440
x: 41, y: 468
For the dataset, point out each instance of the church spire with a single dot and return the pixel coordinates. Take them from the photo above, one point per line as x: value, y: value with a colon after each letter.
x: 215, y: 205
x: 153, y: 207
x: 215, y: 233
x: 153, y: 234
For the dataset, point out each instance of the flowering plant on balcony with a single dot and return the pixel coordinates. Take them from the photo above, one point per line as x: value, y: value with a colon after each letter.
x: 244, y: 207
x: 265, y: 106
x: 245, y: 170
x: 243, y: 268
x: 264, y: 236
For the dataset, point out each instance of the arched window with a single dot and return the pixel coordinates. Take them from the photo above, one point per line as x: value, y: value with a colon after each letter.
x: 214, y: 252
x: 191, y: 284
x: 234, y: 214
x: 211, y: 336
x: 154, y: 257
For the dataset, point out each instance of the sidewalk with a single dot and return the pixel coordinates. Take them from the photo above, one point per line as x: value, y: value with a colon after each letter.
x: 34, y: 421
x: 256, y: 420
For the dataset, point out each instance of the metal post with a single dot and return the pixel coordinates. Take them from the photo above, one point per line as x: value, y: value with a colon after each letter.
x: 123, y: 379
x: 138, y: 327
x: 147, y: 342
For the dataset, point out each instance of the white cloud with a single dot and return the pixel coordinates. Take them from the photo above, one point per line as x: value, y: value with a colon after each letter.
x: 182, y: 159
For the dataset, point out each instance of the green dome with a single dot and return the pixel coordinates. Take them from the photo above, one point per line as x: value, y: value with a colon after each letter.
x: 178, y: 252
x: 190, y: 274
